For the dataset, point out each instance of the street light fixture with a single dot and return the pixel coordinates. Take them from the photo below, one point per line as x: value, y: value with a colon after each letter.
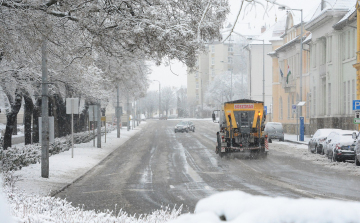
x: 263, y: 44
x: 159, y: 98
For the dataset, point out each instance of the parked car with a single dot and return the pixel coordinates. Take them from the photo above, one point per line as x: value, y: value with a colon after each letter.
x: 274, y: 130
x: 342, y: 146
x: 182, y: 126
x: 163, y: 117
x: 191, y: 126
x: 324, y: 146
x: 356, y: 137
x: 319, y: 137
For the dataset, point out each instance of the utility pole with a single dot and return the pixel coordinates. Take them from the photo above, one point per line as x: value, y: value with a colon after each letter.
x: 98, y: 125
x: 117, y: 113
x: 45, y: 114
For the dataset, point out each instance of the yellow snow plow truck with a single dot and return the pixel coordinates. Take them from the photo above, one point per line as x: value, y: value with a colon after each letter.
x: 242, y: 123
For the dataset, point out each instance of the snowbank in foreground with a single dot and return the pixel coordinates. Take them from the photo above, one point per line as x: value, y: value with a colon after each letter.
x: 239, y: 207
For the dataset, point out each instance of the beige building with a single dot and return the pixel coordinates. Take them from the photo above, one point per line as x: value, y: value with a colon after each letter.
x: 286, y: 75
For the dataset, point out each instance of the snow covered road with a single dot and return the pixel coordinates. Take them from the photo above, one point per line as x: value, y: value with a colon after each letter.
x: 157, y: 167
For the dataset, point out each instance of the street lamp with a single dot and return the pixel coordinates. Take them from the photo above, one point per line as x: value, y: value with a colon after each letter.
x: 263, y: 44
x: 159, y: 98
x: 301, y: 50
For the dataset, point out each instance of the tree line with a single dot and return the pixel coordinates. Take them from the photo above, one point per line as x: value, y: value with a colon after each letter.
x: 92, y: 48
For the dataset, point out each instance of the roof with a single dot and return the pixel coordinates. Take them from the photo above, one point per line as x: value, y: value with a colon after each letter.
x: 308, y: 38
x: 331, y: 5
x: 344, y: 20
x: 243, y: 101
x: 289, y: 43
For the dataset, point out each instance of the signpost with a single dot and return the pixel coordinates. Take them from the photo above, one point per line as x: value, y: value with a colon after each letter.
x: 356, y: 108
x: 103, y: 119
x: 92, y: 118
x: 72, y: 107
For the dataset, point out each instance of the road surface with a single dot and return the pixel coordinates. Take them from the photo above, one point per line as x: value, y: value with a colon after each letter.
x: 158, y: 168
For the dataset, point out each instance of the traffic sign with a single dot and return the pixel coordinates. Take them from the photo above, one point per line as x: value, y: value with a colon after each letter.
x: 356, y: 120
x: 356, y: 104
x: 357, y: 114
x: 293, y: 107
x: 265, y: 110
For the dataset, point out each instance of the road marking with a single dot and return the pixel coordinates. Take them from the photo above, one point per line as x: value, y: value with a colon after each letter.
x: 172, y: 187
x: 141, y: 190
x: 96, y: 191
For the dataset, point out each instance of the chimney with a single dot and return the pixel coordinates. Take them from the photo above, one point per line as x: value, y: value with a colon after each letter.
x: 322, y: 5
x: 263, y: 29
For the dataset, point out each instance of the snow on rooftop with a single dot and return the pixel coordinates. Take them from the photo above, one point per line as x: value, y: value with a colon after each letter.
x: 347, y: 15
x: 332, y: 5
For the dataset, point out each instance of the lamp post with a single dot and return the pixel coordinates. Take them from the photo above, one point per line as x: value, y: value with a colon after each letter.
x: 301, y: 51
x: 263, y: 48
x: 159, y: 98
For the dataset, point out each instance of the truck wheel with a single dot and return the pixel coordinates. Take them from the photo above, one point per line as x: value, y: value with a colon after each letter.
x: 194, y: 129
x: 221, y: 154
x: 357, y: 163
x: 264, y: 155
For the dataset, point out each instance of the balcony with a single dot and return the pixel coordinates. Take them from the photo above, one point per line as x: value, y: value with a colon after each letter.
x: 290, y: 89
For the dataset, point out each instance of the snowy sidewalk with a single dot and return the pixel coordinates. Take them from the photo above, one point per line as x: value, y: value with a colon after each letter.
x: 295, y: 139
x: 64, y: 170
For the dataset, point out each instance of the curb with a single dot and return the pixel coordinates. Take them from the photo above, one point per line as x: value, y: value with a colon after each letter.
x: 296, y: 142
x: 55, y: 192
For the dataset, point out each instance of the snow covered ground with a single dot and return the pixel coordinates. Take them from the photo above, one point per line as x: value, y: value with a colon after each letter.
x: 235, y: 206
x: 63, y: 170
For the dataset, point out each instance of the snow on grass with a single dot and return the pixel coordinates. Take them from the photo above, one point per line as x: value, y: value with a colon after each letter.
x: 301, y: 151
x: 64, y: 170
x: 239, y: 207
x: 29, y: 208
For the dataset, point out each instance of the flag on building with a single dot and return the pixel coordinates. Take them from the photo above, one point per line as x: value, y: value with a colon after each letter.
x: 288, y: 74
x: 281, y: 73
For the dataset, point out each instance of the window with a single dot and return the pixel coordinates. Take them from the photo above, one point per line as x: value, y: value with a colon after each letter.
x: 308, y: 102
x: 353, y: 90
x: 348, y: 98
x: 348, y: 44
x: 230, y: 60
x: 212, y: 48
x: 212, y: 61
x: 289, y: 106
x: 281, y: 109
x: 329, y: 99
x: 323, y: 96
x: 344, y: 97
x: 196, y: 74
x: 314, y: 102
x: 230, y: 48
x: 292, y: 100
x: 197, y: 84
x: 212, y: 72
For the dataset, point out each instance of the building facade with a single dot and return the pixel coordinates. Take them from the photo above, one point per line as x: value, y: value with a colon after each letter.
x: 286, y: 76
x: 332, y: 77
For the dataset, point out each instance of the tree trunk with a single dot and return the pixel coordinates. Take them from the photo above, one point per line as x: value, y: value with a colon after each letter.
x: 29, y: 106
x: 11, y: 118
x: 36, y: 115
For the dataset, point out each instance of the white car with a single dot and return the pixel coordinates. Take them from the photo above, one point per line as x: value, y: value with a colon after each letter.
x: 342, y: 146
x: 318, y: 138
x: 324, y: 146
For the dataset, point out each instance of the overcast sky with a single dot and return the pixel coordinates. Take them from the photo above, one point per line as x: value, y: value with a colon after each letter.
x: 253, y: 20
